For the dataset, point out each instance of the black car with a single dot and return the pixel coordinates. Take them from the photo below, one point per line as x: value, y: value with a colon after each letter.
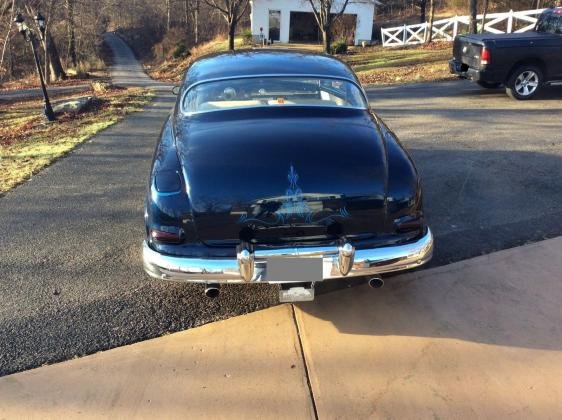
x: 273, y: 169
x: 523, y: 62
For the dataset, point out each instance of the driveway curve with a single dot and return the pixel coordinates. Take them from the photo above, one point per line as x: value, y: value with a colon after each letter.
x: 125, y: 69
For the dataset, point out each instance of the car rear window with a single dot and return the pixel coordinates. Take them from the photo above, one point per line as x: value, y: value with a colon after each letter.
x: 272, y: 92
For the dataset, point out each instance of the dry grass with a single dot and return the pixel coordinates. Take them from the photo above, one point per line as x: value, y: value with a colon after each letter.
x: 32, y: 81
x: 378, y: 65
x: 373, y: 65
x: 172, y: 70
x: 28, y: 144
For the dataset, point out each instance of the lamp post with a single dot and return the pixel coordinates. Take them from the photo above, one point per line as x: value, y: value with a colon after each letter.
x: 29, y: 36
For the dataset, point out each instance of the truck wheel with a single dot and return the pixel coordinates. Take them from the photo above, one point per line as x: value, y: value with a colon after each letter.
x: 524, y: 82
x: 488, y: 85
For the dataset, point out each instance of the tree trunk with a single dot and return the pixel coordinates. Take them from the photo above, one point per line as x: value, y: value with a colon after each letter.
x: 168, y: 16
x: 9, y: 66
x: 484, y: 12
x: 71, y: 32
x: 46, y: 73
x: 186, y: 12
x: 46, y: 58
x: 4, y: 47
x: 231, y: 33
x: 430, y: 24
x: 196, y: 22
x: 423, y: 6
x: 10, y: 61
x: 472, y: 19
x: 429, y: 33
x: 8, y: 38
x: 57, y: 72
x: 327, y: 39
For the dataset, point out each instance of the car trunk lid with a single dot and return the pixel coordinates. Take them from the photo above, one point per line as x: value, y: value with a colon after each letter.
x: 283, y: 175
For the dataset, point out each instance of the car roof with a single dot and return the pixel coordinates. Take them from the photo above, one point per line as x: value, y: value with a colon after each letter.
x: 248, y: 63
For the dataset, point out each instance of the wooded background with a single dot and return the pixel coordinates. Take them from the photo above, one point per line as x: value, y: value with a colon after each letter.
x: 162, y: 28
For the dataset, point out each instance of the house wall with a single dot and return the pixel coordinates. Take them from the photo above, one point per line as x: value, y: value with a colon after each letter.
x: 364, y: 9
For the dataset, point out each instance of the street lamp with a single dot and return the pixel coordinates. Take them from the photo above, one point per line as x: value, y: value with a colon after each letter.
x: 29, y: 36
x: 40, y: 20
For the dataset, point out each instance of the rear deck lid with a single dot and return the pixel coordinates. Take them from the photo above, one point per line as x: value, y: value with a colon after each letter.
x: 283, y: 175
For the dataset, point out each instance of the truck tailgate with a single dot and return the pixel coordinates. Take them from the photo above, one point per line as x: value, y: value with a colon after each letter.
x: 467, y: 52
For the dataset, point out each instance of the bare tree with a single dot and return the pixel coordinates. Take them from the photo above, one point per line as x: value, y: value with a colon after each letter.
x: 472, y: 24
x: 423, y: 7
x: 70, y: 27
x: 429, y: 33
x: 232, y: 11
x: 186, y: 12
x: 168, y: 15
x: 196, y: 9
x: 484, y: 13
x: 7, y: 38
x: 50, y: 48
x: 322, y: 10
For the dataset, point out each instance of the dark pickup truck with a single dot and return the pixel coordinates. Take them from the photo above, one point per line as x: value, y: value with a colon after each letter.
x: 522, y: 62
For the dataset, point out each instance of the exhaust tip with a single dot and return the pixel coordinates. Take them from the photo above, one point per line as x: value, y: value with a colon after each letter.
x: 212, y: 291
x: 376, y: 283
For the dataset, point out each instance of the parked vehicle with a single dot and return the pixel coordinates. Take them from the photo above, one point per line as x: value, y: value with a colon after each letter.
x: 273, y: 169
x: 523, y: 62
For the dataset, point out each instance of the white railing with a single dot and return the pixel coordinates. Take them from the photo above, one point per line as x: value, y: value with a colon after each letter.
x: 447, y: 29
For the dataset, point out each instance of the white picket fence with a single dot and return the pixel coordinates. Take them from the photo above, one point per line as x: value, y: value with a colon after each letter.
x: 447, y: 29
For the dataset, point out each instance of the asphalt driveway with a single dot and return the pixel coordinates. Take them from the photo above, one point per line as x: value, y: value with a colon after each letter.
x: 490, y: 166
x: 71, y: 281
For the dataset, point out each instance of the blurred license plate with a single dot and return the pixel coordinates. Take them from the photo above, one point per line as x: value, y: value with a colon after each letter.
x: 294, y: 270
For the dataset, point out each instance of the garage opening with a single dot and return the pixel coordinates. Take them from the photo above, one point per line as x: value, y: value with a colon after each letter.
x: 274, y: 25
x: 303, y: 28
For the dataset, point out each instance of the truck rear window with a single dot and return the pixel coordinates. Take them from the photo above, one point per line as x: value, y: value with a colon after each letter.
x: 550, y: 23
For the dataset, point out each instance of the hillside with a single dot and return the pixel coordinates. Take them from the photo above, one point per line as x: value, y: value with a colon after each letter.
x: 372, y: 64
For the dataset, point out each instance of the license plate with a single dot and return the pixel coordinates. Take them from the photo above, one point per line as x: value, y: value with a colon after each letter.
x: 294, y: 270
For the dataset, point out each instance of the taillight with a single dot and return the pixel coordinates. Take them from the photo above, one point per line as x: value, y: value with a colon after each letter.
x: 167, y: 182
x: 485, y: 57
x: 166, y: 237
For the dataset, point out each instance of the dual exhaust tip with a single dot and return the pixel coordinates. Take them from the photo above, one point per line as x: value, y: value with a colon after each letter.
x: 212, y: 290
x: 376, y: 282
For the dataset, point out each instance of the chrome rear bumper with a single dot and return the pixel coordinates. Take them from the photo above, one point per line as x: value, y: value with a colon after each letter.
x: 366, y: 262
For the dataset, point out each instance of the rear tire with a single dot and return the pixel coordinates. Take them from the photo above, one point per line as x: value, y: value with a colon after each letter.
x: 488, y: 85
x: 524, y: 82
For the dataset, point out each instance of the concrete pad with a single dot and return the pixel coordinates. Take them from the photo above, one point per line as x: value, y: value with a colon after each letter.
x: 477, y: 339
x: 245, y: 367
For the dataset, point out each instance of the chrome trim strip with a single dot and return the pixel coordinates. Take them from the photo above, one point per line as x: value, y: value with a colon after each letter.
x: 366, y: 262
x: 257, y: 76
